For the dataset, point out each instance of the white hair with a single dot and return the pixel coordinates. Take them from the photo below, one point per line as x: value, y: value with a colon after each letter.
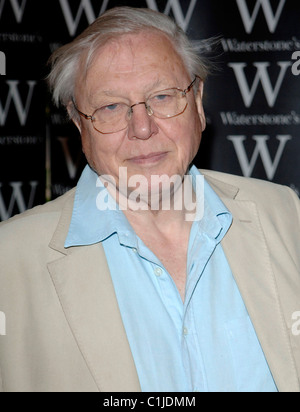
x: 115, y: 22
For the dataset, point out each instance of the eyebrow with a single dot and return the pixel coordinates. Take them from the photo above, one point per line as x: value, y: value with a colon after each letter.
x: 157, y: 85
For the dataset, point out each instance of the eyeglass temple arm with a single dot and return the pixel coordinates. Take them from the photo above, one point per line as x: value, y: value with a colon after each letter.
x: 81, y: 113
x: 192, y: 84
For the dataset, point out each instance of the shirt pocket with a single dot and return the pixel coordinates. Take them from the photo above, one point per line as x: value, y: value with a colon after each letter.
x: 251, y: 371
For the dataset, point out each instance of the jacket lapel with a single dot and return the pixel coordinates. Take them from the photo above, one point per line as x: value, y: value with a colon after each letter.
x: 248, y: 255
x: 83, y: 283
x: 84, y: 286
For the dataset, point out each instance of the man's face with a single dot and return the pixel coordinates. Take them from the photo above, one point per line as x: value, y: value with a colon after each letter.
x: 129, y: 70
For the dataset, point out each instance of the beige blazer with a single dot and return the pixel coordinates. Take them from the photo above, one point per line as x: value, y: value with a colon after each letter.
x: 63, y: 326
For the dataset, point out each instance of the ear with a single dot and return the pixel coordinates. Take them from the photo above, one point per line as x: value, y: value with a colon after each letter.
x: 73, y: 116
x: 199, y: 103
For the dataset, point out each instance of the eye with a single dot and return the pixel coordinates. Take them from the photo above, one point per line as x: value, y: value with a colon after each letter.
x: 111, y: 107
x: 162, y: 97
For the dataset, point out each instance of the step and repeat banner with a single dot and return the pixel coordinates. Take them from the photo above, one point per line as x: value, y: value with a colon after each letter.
x: 251, y: 99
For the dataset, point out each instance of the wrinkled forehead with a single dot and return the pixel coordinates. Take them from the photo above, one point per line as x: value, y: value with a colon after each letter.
x: 134, y: 54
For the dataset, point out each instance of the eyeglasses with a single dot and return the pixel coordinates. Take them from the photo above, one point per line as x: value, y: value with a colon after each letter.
x: 115, y: 116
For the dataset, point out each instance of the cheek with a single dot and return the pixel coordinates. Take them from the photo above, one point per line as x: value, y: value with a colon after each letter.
x: 185, y: 132
x: 101, y: 152
x: 86, y: 144
x: 194, y: 127
x: 93, y: 147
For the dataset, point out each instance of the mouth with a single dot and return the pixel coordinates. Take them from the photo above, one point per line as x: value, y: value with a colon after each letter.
x: 148, y: 159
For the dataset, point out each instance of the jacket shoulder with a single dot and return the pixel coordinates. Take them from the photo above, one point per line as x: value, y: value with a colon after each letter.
x: 37, y: 221
x: 278, y: 207
x: 244, y: 188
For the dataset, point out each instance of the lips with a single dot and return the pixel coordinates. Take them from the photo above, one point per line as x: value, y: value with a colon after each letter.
x: 150, y: 158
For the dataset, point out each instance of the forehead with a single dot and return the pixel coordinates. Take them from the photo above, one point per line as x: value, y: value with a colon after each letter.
x: 140, y: 57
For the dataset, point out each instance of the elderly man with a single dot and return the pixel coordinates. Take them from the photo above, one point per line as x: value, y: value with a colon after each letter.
x: 137, y: 297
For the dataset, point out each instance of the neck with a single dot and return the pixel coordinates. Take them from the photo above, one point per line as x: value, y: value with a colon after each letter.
x: 165, y: 209
x: 169, y: 201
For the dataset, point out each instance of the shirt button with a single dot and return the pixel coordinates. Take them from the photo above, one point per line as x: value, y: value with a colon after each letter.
x: 185, y: 331
x: 134, y: 250
x: 158, y: 272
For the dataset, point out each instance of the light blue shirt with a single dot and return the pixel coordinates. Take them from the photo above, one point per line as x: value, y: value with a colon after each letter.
x: 207, y: 343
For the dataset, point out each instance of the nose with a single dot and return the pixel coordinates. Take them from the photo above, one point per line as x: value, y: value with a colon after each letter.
x: 141, y: 125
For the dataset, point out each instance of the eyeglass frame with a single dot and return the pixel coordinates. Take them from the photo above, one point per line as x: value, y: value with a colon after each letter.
x: 91, y: 117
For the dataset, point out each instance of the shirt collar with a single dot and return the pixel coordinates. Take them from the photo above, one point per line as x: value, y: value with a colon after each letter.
x: 89, y: 225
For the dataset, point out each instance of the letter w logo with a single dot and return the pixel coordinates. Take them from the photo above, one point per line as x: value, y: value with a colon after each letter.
x: 14, y: 96
x: 271, y: 18
x: 72, y: 165
x: 17, y: 200
x: 261, y: 149
x: 262, y: 76
x: 182, y: 21
x: 86, y: 7
x: 18, y: 10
